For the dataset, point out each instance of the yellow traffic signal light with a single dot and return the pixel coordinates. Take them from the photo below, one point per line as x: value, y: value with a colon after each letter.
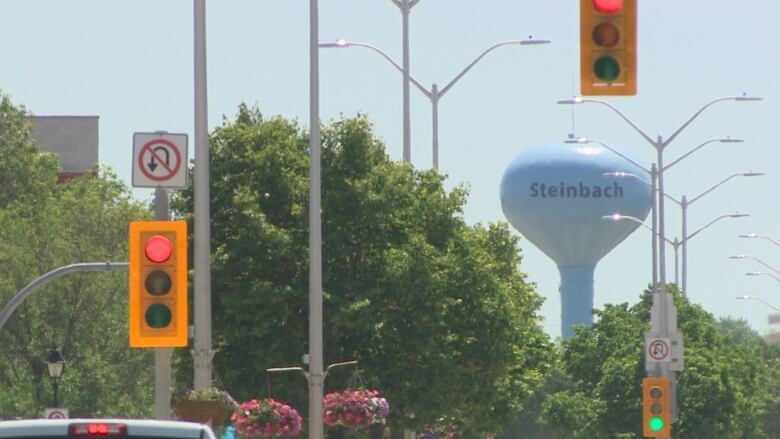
x: 608, y: 47
x: 656, y: 407
x: 158, y: 284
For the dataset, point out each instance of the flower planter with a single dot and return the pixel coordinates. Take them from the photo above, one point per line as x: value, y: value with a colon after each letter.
x: 205, y: 412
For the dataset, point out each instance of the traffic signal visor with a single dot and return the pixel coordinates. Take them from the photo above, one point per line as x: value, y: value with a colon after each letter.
x: 158, y: 284
x: 608, y: 47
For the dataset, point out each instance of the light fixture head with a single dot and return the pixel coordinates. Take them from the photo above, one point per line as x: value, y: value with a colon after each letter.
x: 572, y: 101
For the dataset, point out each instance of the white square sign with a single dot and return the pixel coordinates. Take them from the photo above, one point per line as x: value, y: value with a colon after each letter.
x: 160, y: 159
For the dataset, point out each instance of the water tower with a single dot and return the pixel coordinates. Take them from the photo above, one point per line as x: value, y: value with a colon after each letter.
x: 556, y: 195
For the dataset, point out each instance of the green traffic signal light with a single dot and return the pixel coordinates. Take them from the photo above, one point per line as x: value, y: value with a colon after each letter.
x: 158, y: 316
x: 656, y: 424
x: 606, y: 68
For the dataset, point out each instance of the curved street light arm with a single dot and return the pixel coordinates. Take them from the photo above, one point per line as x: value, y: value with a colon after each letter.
x: 749, y: 297
x: 743, y: 256
x: 618, y: 217
x: 696, y: 149
x: 584, y: 140
x: 759, y: 273
x: 756, y: 235
x: 704, y: 107
x: 739, y: 215
x: 632, y: 175
x: 482, y: 55
x: 579, y: 100
x: 381, y: 52
x: 715, y: 187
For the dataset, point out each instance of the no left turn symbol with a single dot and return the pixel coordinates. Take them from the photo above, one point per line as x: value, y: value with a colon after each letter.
x: 159, y: 160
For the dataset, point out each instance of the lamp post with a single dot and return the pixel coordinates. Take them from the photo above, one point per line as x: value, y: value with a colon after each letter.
x: 56, y: 363
x: 756, y: 235
x: 744, y: 256
x: 750, y: 297
x: 434, y: 94
x: 406, y: 7
x: 663, y: 312
x: 684, y: 203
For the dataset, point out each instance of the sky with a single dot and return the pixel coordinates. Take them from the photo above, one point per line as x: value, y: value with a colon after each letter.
x: 131, y: 64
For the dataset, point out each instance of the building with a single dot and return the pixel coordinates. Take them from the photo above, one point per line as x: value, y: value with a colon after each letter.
x: 73, y: 138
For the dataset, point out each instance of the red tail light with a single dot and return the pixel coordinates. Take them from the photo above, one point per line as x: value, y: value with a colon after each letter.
x: 97, y: 429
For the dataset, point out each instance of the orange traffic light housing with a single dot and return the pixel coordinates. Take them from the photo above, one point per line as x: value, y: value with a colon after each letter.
x: 158, y: 284
x: 608, y: 47
x: 656, y: 407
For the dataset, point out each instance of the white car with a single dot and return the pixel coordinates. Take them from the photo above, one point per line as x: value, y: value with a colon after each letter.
x: 103, y: 428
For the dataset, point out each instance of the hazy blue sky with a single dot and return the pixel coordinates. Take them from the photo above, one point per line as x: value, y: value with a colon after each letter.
x: 130, y: 62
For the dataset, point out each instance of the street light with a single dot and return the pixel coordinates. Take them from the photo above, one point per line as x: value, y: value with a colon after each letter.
x: 756, y: 235
x: 434, y: 94
x: 684, y: 202
x: 56, y: 363
x: 759, y: 273
x: 744, y: 256
x: 663, y: 306
x: 749, y: 297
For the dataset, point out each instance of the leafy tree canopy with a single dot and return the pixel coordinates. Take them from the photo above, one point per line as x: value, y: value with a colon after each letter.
x: 435, y: 310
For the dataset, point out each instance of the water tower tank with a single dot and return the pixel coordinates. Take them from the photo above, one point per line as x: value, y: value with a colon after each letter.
x: 556, y: 195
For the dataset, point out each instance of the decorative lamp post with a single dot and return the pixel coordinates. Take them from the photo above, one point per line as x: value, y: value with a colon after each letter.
x: 56, y: 363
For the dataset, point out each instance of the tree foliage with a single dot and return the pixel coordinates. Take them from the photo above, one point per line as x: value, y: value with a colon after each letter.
x: 44, y: 226
x: 721, y: 393
x: 435, y: 310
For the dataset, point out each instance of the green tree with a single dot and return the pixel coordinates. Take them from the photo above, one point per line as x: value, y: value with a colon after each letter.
x: 44, y: 226
x: 719, y: 393
x: 435, y: 310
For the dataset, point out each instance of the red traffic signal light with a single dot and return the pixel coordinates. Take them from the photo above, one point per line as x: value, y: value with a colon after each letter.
x: 158, y: 284
x: 608, y: 47
x: 656, y: 407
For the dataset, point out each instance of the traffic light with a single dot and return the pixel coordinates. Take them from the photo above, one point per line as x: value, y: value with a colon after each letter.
x: 608, y: 47
x: 656, y: 410
x: 158, y: 284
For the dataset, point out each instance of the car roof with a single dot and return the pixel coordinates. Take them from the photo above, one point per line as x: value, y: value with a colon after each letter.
x: 135, y: 427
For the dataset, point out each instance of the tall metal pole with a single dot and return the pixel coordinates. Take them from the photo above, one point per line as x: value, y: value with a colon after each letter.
x: 162, y: 356
x: 684, y: 206
x: 435, y: 131
x: 405, y: 9
x: 201, y: 352
x: 316, y: 377
x: 654, y: 213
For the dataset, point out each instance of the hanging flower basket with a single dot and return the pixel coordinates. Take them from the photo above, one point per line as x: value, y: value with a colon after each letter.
x: 355, y: 409
x: 210, y: 406
x: 266, y: 418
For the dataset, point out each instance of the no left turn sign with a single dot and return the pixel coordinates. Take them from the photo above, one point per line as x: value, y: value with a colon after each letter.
x: 160, y: 159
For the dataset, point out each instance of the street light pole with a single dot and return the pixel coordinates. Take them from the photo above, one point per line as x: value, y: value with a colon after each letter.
x: 663, y: 312
x: 406, y: 7
x: 434, y: 94
x: 316, y: 377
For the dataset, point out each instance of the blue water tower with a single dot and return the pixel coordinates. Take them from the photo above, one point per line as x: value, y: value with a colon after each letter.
x: 556, y: 195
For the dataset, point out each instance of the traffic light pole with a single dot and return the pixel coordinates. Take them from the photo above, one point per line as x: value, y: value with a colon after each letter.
x: 162, y: 356
x: 40, y: 281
